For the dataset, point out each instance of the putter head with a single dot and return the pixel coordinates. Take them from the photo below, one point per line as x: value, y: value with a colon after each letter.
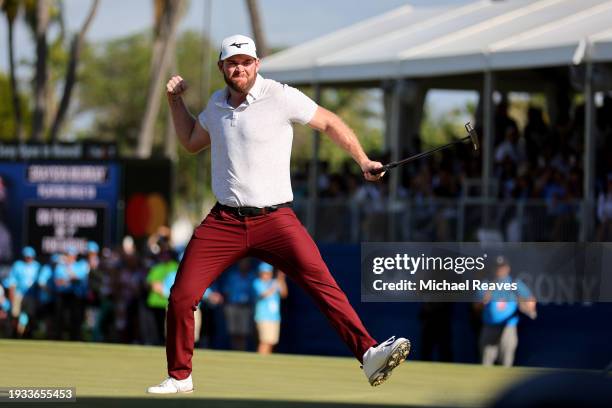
x: 473, y: 135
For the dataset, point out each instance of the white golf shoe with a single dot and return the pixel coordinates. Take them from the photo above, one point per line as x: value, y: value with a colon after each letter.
x: 379, y: 361
x: 172, y: 386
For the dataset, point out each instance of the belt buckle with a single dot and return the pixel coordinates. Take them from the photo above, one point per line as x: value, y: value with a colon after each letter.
x: 240, y: 214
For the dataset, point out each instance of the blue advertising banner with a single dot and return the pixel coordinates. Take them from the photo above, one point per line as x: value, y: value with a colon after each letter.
x: 51, y: 205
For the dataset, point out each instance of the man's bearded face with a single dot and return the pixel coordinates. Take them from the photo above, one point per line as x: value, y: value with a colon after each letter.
x: 240, y: 72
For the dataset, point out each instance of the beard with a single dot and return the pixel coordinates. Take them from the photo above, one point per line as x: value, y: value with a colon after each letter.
x: 244, y: 89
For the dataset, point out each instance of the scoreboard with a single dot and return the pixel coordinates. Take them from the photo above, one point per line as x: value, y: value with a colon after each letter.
x: 52, y: 205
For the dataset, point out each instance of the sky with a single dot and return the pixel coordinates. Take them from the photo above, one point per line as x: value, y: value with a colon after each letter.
x: 286, y: 22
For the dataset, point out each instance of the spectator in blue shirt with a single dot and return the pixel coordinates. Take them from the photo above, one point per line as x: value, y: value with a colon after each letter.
x: 46, y: 292
x: 92, y: 285
x: 238, y: 308
x: 268, y: 293
x: 71, y: 286
x: 500, y: 316
x: 21, y: 284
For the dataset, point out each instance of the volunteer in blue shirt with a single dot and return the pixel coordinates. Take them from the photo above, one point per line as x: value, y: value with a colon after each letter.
x: 46, y: 293
x: 238, y: 307
x: 500, y: 316
x: 268, y: 293
x: 71, y: 287
x: 21, y: 284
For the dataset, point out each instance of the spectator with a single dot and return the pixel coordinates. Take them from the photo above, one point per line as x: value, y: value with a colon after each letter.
x: 604, y: 212
x: 156, y: 301
x: 21, y: 283
x: 130, y: 292
x: 510, y: 147
x: 503, y: 120
x: 94, y: 284
x: 499, y: 337
x: 238, y: 307
x: 268, y: 292
x: 71, y: 287
x: 536, y: 133
x: 46, y: 294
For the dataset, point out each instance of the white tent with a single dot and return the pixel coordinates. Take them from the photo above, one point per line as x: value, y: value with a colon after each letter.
x: 426, y: 42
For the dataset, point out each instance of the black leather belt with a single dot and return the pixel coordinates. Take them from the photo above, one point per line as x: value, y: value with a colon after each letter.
x: 251, y: 211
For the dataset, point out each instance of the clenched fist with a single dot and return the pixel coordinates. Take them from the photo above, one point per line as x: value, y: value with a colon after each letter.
x: 176, y: 86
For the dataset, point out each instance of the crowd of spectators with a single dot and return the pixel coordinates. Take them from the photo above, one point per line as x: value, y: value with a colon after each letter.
x: 540, y: 164
x: 121, y: 295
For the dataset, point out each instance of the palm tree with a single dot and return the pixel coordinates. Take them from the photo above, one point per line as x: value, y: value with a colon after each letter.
x: 70, y: 80
x: 10, y: 9
x: 167, y: 17
x: 257, y: 27
x: 40, y: 81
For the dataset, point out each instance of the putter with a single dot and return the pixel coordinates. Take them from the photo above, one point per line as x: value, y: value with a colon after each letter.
x: 472, y: 136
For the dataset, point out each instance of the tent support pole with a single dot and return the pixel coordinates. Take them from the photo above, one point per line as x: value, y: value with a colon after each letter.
x: 313, y: 173
x: 488, y: 121
x: 395, y: 150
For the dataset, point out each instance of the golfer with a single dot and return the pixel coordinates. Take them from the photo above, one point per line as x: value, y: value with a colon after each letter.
x: 248, y: 126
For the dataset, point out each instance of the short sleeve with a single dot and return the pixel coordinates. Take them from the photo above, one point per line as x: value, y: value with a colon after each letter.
x: 300, y: 108
x: 202, y: 120
x: 155, y: 275
x: 258, y: 287
x: 207, y: 293
x: 45, y: 274
x: 10, y: 279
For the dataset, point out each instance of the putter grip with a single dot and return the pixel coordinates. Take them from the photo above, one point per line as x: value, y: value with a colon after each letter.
x: 378, y: 171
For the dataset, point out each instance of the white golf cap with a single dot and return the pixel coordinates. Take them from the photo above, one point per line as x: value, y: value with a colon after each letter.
x: 237, y: 44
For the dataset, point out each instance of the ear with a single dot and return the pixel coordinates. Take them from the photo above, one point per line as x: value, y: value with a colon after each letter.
x: 220, y: 65
x: 257, y: 65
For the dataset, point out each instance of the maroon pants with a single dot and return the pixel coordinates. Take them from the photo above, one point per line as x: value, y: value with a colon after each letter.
x: 277, y: 238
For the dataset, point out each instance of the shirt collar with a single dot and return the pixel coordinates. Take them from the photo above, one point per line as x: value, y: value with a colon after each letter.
x: 254, y: 93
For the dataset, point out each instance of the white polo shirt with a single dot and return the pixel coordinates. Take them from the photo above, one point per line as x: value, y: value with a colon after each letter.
x: 251, y: 144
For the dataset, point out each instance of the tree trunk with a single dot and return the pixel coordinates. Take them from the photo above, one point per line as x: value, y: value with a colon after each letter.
x: 169, y: 136
x: 75, y: 53
x: 40, y: 84
x: 160, y: 69
x: 257, y: 27
x: 11, y: 14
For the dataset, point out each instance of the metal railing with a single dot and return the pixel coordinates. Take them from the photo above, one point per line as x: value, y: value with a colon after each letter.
x: 440, y: 220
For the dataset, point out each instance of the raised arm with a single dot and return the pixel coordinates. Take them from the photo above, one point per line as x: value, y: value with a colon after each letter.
x: 190, y: 133
x: 334, y: 127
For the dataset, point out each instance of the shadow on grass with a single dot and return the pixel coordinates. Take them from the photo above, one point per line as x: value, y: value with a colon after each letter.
x: 161, y: 401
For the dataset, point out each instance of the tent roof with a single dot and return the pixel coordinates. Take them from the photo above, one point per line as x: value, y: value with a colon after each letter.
x: 451, y: 40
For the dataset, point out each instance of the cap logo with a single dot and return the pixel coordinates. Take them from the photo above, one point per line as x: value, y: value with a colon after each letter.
x: 237, y: 45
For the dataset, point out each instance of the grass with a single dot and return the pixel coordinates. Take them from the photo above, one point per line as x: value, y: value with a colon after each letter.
x: 117, y: 375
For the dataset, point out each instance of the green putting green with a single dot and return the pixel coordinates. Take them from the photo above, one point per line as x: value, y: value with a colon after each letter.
x: 117, y: 375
